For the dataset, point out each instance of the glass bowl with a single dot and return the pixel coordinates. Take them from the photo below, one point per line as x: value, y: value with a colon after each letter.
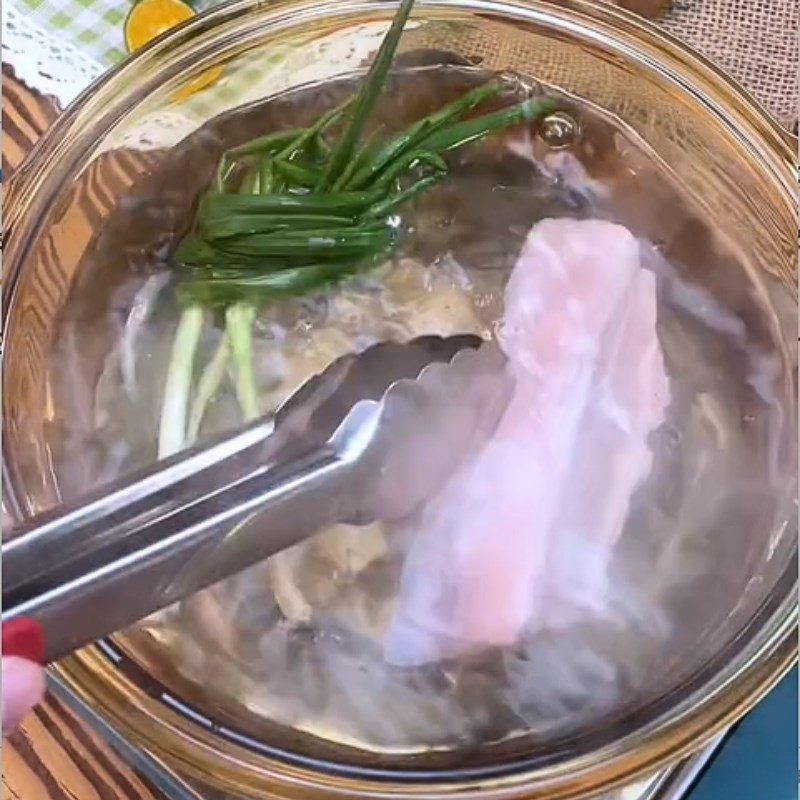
x: 733, y: 162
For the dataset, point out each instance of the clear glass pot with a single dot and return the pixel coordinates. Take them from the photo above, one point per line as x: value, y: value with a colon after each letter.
x: 730, y: 158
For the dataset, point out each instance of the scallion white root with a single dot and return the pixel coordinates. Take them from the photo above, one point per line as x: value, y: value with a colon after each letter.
x: 239, y: 321
x: 172, y: 430
x: 141, y: 309
x: 207, y: 387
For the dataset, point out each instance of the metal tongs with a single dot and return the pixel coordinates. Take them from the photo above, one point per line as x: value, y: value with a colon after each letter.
x: 370, y: 438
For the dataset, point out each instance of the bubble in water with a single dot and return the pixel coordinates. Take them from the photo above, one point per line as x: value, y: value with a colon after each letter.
x: 522, y: 84
x: 560, y: 130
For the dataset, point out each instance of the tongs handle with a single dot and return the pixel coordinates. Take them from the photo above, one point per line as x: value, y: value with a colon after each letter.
x: 94, y: 568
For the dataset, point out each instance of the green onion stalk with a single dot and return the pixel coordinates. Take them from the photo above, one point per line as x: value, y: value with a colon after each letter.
x: 295, y: 211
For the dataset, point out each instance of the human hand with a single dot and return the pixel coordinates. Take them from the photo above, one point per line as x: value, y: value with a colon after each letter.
x: 23, y: 682
x: 22, y: 688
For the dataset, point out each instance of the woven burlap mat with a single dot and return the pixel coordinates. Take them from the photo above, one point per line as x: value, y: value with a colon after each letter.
x: 755, y: 41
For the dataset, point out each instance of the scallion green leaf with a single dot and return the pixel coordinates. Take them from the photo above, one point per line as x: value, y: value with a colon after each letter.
x: 366, y: 98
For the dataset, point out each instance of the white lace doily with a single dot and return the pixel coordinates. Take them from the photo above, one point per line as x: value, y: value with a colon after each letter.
x: 43, y: 60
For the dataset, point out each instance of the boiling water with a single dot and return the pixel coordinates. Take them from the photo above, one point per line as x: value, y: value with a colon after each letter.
x: 298, y: 641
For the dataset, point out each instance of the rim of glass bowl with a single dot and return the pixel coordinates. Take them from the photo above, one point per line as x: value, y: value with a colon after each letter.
x: 727, y: 689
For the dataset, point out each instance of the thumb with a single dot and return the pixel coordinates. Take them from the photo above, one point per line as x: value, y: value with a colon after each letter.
x: 22, y: 688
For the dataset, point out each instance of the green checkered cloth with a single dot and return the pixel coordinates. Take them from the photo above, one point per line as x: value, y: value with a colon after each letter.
x: 93, y: 26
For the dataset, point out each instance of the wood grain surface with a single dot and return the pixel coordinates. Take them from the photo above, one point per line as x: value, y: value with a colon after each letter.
x: 26, y: 116
x: 54, y: 755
